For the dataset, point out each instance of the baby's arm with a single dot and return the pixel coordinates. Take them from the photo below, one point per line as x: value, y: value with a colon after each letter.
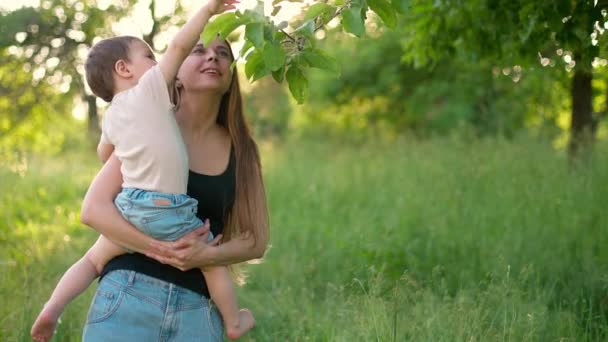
x: 183, y: 42
x: 104, y: 151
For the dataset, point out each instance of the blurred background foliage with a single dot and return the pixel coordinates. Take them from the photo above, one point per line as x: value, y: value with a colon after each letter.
x: 437, y: 71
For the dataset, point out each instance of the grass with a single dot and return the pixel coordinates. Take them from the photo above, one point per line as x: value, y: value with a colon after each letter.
x: 440, y: 240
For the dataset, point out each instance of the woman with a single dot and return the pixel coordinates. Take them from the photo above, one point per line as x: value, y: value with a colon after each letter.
x: 139, y: 298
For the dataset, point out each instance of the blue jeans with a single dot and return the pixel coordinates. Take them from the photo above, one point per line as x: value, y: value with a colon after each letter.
x: 129, y: 306
x: 159, y: 215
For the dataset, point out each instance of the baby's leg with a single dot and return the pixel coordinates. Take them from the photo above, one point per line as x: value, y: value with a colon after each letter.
x: 219, y: 282
x: 75, y: 280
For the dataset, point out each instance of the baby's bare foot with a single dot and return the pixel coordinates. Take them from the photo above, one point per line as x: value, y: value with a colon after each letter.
x: 44, y: 326
x: 245, y: 323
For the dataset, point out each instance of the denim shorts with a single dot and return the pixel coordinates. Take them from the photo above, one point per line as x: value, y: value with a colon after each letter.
x: 159, y: 215
x: 129, y: 306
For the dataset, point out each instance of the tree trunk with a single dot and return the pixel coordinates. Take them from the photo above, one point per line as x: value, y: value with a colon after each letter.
x: 599, y: 116
x: 581, y: 129
x: 93, y: 119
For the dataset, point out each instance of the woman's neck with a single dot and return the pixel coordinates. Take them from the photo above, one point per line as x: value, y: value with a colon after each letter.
x: 197, y: 115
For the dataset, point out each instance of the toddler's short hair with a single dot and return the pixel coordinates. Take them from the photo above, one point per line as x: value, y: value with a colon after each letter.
x: 99, y: 66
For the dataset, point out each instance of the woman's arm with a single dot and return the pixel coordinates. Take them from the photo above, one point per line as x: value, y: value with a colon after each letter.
x: 193, y: 251
x: 238, y: 249
x: 99, y: 212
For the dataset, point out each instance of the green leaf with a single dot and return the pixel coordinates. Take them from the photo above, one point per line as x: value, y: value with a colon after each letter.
x: 326, y: 17
x: 269, y: 32
x: 275, y: 10
x: 298, y: 84
x: 246, y: 47
x: 274, y: 56
x: 254, y: 33
x: 222, y: 25
x: 278, y: 36
x: 259, y: 7
x: 307, y: 29
x: 279, y: 74
x: 525, y: 34
x: 400, y: 5
x: 321, y: 60
x: 317, y: 10
x: 384, y: 10
x: 364, y: 10
x: 255, y: 67
x: 352, y: 21
x: 282, y: 25
x: 252, y: 16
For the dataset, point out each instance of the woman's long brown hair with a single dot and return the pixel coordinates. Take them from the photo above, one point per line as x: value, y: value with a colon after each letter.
x: 249, y: 215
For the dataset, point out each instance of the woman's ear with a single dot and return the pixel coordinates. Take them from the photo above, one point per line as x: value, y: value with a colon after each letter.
x: 178, y: 83
x: 122, y: 68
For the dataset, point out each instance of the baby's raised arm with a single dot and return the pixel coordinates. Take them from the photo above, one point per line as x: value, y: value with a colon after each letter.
x: 183, y: 42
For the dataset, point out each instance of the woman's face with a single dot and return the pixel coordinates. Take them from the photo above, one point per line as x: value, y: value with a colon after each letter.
x: 207, y: 68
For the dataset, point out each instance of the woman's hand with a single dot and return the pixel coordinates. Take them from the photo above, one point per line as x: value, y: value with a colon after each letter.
x: 218, y: 6
x: 187, y: 252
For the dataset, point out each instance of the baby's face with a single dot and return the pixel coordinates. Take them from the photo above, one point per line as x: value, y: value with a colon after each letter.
x: 141, y: 58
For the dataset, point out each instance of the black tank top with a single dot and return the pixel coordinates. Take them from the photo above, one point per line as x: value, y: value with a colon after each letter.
x: 215, y: 195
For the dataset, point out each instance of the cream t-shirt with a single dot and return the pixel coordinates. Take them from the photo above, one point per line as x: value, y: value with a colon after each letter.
x: 141, y: 125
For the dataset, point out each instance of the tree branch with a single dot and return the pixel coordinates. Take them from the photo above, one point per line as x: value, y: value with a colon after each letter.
x: 289, y: 36
x: 338, y: 12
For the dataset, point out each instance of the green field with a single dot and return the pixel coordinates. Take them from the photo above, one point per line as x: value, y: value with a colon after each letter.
x: 438, y: 240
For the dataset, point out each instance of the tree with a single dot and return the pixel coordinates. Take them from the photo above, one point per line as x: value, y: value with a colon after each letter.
x: 430, y: 100
x: 32, y: 117
x: 51, y: 40
x: 55, y: 37
x: 287, y: 49
x: 160, y: 23
x: 516, y: 33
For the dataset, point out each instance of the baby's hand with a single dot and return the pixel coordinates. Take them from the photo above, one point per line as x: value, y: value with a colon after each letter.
x: 220, y: 6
